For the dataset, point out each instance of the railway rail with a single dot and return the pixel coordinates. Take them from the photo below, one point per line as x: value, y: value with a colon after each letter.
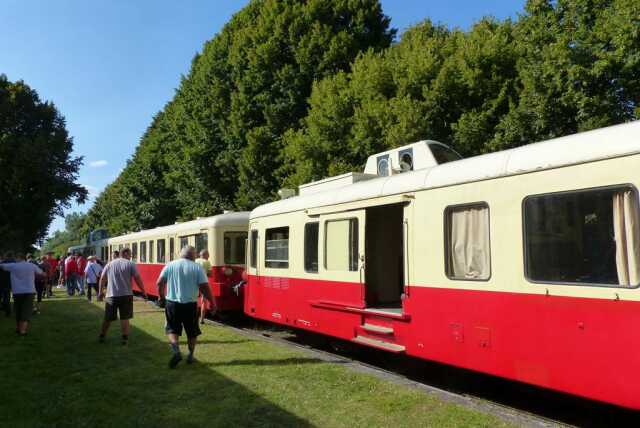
x: 513, y: 402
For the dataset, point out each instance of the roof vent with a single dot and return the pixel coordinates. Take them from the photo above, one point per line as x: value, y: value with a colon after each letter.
x: 420, y: 155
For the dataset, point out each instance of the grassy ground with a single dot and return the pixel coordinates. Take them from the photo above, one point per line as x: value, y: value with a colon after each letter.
x: 60, y: 375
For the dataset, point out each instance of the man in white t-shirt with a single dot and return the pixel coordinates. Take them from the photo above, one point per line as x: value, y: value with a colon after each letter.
x: 92, y: 275
x: 23, y: 287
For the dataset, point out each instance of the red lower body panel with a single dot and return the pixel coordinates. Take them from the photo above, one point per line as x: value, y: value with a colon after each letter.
x: 585, y: 347
x: 221, y: 285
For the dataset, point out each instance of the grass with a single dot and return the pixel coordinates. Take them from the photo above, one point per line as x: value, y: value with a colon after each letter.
x: 59, y: 375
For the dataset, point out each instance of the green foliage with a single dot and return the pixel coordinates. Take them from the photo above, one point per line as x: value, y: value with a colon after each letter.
x: 217, y: 145
x: 74, y: 234
x: 293, y: 91
x: 37, y: 171
x: 563, y: 67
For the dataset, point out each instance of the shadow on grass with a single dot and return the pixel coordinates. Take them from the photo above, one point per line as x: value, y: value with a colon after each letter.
x: 275, y: 362
x: 60, y: 376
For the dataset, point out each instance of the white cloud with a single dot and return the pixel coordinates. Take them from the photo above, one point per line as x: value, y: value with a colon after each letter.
x: 98, y: 163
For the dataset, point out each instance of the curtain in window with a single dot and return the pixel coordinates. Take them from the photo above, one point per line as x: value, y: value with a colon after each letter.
x: 627, y: 235
x: 469, y: 251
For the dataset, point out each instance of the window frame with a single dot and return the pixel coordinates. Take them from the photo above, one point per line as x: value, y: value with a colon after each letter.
x: 304, y: 256
x: 253, y: 244
x: 525, y: 265
x: 288, y: 262
x: 143, y: 254
x: 164, y: 250
x: 446, y: 224
x: 326, y: 222
x: 224, y: 249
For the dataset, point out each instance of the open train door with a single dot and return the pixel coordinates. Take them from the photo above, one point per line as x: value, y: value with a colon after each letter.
x: 343, y: 256
x: 252, y: 270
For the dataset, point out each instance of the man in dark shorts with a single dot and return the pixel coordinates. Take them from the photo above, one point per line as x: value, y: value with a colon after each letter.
x: 23, y: 278
x: 179, y: 283
x: 116, y: 278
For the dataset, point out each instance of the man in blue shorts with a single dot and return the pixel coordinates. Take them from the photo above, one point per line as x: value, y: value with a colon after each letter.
x: 179, y: 283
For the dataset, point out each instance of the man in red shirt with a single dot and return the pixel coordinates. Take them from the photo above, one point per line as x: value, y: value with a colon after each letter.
x: 82, y: 264
x: 71, y: 274
x: 51, y: 275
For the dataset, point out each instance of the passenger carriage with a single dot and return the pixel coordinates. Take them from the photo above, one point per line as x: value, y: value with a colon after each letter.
x: 523, y: 264
x: 224, y: 236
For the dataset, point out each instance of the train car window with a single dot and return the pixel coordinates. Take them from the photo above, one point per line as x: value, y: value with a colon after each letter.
x: 160, y: 253
x: 151, y: 251
x: 583, y: 237
x: 467, y: 237
x: 341, y: 245
x: 134, y: 251
x: 234, y: 247
x: 143, y: 251
x: 311, y: 247
x: 184, y: 241
x: 254, y: 248
x: 202, y: 242
x: 172, y: 249
x: 277, y: 248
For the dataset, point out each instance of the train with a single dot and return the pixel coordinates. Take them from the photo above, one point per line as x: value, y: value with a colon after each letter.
x: 522, y: 264
x: 223, y: 235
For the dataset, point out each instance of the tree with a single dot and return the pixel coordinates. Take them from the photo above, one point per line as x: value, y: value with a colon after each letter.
x: 37, y: 171
x: 74, y: 234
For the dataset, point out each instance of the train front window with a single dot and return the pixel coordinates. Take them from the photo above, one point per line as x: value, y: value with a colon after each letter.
x: 311, y: 247
x: 184, y: 241
x: 134, y: 251
x: 143, y: 251
x: 160, y: 253
x: 584, y: 237
x: 277, y: 248
x: 202, y: 242
x: 150, y: 251
x: 234, y: 247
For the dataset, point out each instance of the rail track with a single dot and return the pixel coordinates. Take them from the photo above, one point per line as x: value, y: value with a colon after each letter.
x: 514, y: 402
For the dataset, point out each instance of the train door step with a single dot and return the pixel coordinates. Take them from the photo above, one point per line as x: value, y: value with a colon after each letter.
x: 379, y: 344
x: 379, y: 329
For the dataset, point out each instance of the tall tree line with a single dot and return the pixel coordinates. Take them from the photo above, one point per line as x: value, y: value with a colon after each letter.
x: 292, y: 91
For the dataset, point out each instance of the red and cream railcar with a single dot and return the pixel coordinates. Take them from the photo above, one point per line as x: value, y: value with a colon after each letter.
x: 523, y: 264
x: 224, y: 236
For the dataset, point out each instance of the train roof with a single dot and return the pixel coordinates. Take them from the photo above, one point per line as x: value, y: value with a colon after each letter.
x: 240, y: 218
x: 599, y: 144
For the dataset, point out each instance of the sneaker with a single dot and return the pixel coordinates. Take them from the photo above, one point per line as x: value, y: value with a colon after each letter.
x: 101, y: 339
x: 173, y: 362
x: 191, y: 359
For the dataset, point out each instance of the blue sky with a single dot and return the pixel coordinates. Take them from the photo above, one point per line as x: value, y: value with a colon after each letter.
x: 110, y: 66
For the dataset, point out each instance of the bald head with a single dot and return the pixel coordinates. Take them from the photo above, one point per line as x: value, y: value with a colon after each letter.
x: 188, y: 252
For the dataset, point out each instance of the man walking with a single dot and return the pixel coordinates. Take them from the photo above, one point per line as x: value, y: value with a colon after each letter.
x: 51, y: 274
x: 203, y: 261
x: 82, y: 265
x: 116, y: 278
x: 70, y: 273
x: 23, y: 275
x: 92, y: 274
x: 179, y: 283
